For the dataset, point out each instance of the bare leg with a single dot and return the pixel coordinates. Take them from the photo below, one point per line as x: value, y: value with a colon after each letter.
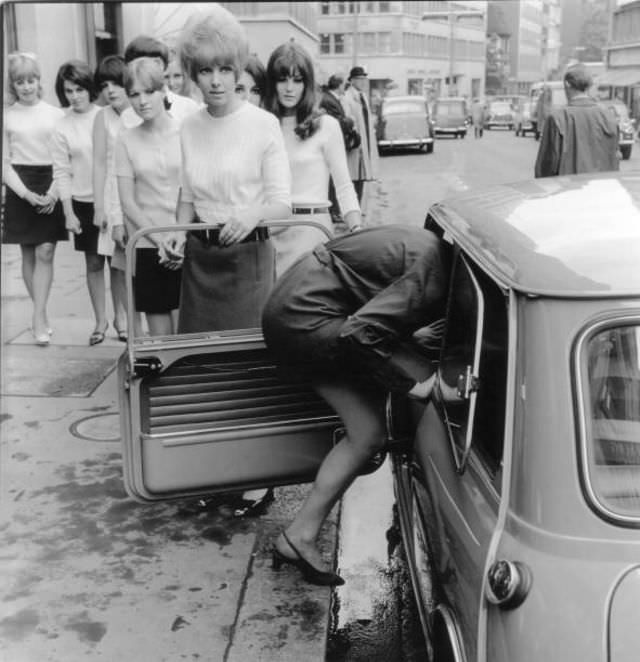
x: 118, y: 298
x: 41, y: 283
x: 362, y: 415
x: 28, y: 265
x: 160, y: 324
x: 96, y: 286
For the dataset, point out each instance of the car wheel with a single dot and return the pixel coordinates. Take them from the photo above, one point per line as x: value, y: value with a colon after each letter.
x: 463, y: 134
x: 429, y: 148
x: 625, y: 150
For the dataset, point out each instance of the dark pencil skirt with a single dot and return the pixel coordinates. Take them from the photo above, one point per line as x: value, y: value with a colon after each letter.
x: 156, y: 289
x: 87, y: 240
x: 21, y: 223
x: 225, y: 287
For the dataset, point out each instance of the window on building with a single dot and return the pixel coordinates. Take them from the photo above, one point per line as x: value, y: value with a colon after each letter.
x: 325, y: 43
x: 384, y: 7
x: 324, y: 8
x: 414, y: 86
x: 370, y: 7
x: 338, y: 43
x: 348, y: 43
x: 341, y: 7
x: 384, y: 42
x: 106, y: 18
x: 368, y: 42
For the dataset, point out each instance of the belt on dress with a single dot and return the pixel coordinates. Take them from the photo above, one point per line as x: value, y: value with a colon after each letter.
x: 309, y: 210
x: 212, y: 237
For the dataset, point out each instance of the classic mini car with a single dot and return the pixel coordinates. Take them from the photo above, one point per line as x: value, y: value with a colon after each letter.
x: 518, y: 483
x: 404, y: 122
x: 499, y: 114
x: 626, y: 126
x: 522, y: 117
x: 451, y: 116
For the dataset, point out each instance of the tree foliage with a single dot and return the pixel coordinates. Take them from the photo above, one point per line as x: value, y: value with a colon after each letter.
x: 594, y: 31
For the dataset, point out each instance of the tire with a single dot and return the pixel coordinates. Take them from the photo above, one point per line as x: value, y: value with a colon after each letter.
x: 429, y: 148
x: 625, y: 150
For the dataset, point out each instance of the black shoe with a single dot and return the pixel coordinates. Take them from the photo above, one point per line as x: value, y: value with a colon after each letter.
x: 310, y: 573
x: 253, y: 507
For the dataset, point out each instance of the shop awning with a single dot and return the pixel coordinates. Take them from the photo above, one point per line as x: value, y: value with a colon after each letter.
x: 619, y: 77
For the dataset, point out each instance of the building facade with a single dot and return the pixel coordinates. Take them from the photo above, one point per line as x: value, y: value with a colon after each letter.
x: 57, y: 32
x: 403, y: 52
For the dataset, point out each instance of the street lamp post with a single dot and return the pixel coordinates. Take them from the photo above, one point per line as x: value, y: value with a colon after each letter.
x: 452, y: 15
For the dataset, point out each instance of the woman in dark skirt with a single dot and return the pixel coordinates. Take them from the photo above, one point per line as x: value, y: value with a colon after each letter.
x: 32, y: 216
x: 72, y: 155
x: 336, y: 318
x: 148, y: 172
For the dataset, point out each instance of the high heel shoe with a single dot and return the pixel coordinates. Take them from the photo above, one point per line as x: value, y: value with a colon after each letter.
x: 310, y: 573
x: 254, y: 507
x: 121, y: 333
x: 42, y: 339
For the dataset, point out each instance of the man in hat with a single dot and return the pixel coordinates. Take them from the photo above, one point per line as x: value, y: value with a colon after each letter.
x: 580, y: 137
x: 362, y: 161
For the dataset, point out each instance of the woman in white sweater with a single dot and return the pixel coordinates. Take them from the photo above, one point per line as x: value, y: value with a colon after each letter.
x: 32, y: 216
x: 72, y: 154
x: 316, y: 152
x: 235, y: 173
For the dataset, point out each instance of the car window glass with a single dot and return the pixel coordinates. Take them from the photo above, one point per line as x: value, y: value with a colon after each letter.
x: 611, y: 388
x: 403, y: 107
x: 450, y: 109
x: 474, y: 359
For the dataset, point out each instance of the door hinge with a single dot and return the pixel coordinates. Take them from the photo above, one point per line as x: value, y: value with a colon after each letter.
x: 146, y: 365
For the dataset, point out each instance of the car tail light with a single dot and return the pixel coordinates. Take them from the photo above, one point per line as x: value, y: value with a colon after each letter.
x: 508, y: 583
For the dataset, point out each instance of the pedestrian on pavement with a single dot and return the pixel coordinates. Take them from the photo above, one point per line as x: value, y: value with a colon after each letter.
x: 363, y: 161
x: 109, y: 81
x: 235, y: 173
x: 252, y: 82
x: 72, y: 155
x: 315, y: 148
x: 478, y: 117
x: 331, y: 102
x: 33, y: 217
x: 335, y: 320
x: 580, y: 137
x: 148, y: 172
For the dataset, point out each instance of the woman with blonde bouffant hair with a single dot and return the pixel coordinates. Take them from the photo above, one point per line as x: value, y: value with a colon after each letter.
x: 33, y: 216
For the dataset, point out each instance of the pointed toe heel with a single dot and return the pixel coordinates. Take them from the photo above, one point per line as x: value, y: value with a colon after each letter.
x: 309, y: 572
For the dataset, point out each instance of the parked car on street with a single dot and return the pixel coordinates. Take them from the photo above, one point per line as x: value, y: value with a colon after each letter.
x: 499, y: 114
x: 522, y: 117
x: 626, y: 126
x: 404, y: 122
x: 451, y: 116
x: 518, y: 483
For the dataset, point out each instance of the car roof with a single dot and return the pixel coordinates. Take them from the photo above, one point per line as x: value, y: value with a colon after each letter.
x: 407, y: 97
x: 572, y: 236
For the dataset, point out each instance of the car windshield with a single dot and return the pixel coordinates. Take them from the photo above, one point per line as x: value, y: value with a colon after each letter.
x: 612, y: 425
x: 398, y: 107
x: 451, y: 108
x: 500, y: 107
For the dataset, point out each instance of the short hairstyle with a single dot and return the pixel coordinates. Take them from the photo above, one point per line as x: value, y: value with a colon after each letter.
x: 578, y: 78
x: 145, y: 46
x: 213, y: 37
x: 21, y: 65
x: 335, y: 81
x: 256, y: 70
x: 77, y: 72
x: 291, y: 59
x: 146, y: 71
x: 110, y: 70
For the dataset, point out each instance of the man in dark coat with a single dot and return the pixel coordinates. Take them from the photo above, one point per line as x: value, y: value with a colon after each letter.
x: 582, y: 136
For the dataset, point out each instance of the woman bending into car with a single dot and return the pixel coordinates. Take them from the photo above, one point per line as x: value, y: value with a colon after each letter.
x: 335, y: 318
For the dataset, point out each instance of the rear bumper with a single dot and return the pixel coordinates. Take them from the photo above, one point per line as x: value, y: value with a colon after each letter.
x: 626, y: 141
x: 499, y: 123
x: 450, y: 129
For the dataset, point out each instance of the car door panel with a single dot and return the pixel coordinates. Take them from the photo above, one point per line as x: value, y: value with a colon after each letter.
x: 209, y: 412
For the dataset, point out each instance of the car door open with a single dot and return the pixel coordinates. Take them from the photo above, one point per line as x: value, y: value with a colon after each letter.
x: 209, y: 412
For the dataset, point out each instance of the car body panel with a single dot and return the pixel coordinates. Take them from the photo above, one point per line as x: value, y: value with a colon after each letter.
x: 404, y: 122
x: 450, y: 116
x: 626, y: 126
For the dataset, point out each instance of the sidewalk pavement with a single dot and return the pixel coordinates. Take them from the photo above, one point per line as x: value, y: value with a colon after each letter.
x: 86, y: 573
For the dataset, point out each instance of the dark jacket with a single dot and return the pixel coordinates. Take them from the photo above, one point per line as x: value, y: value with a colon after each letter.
x: 331, y: 104
x: 581, y: 137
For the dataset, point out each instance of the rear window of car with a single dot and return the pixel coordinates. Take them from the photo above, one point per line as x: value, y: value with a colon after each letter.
x: 399, y: 107
x: 500, y: 107
x: 610, y: 375
x: 450, y: 108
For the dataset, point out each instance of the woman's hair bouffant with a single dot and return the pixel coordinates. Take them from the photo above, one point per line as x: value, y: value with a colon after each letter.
x: 291, y: 59
x: 213, y: 37
x: 79, y: 73
x: 147, y: 71
x: 21, y: 65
